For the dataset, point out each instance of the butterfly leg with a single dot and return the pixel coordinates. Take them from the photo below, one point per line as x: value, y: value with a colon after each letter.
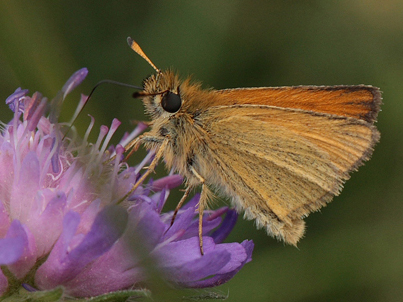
x: 133, y: 146
x: 204, y: 197
x: 136, y: 122
x: 185, y: 195
x: 150, y: 168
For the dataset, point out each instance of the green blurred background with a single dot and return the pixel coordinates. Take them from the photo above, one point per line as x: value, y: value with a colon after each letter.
x: 353, y: 249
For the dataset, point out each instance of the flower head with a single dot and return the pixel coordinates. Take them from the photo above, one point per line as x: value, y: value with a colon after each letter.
x: 62, y: 222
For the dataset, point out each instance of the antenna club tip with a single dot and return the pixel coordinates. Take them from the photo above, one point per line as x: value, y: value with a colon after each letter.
x: 133, y: 45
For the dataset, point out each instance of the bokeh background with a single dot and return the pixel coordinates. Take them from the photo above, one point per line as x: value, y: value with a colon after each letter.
x: 353, y: 249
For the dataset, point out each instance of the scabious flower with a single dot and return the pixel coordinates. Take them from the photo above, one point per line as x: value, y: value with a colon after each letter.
x: 63, y: 223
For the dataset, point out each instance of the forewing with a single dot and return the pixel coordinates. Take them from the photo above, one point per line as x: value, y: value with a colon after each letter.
x: 359, y: 101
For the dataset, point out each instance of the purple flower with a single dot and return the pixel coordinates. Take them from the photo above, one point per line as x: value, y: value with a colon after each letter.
x: 63, y: 221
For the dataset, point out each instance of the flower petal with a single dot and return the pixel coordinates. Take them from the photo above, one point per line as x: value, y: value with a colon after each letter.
x: 169, y: 182
x: 64, y: 262
x: 222, y: 278
x: 24, y: 190
x: 120, y: 267
x: 74, y: 81
x: 226, y: 226
x: 46, y: 221
x: 181, y: 222
x: 13, y: 245
x: 37, y: 111
x: 146, y: 226
x: 28, y: 258
x: 7, y: 165
x: 15, y: 97
x: 208, y: 225
x: 4, y: 221
x: 181, y: 261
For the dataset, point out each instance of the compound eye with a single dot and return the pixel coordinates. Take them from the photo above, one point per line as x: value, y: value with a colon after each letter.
x: 171, y: 102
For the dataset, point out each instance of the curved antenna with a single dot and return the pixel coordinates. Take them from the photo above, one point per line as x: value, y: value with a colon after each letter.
x: 92, y: 92
x: 133, y: 45
x: 114, y: 83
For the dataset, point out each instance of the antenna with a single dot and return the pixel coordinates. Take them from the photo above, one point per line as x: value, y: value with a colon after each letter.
x: 90, y: 95
x: 133, y: 45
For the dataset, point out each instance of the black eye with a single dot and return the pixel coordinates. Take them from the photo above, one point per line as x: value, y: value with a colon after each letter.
x: 171, y: 102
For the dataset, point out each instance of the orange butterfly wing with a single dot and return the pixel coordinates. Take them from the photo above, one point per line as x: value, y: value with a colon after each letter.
x: 279, y: 161
x: 360, y: 101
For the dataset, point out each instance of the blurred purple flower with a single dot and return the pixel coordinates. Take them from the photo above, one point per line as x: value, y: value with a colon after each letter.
x: 61, y: 225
